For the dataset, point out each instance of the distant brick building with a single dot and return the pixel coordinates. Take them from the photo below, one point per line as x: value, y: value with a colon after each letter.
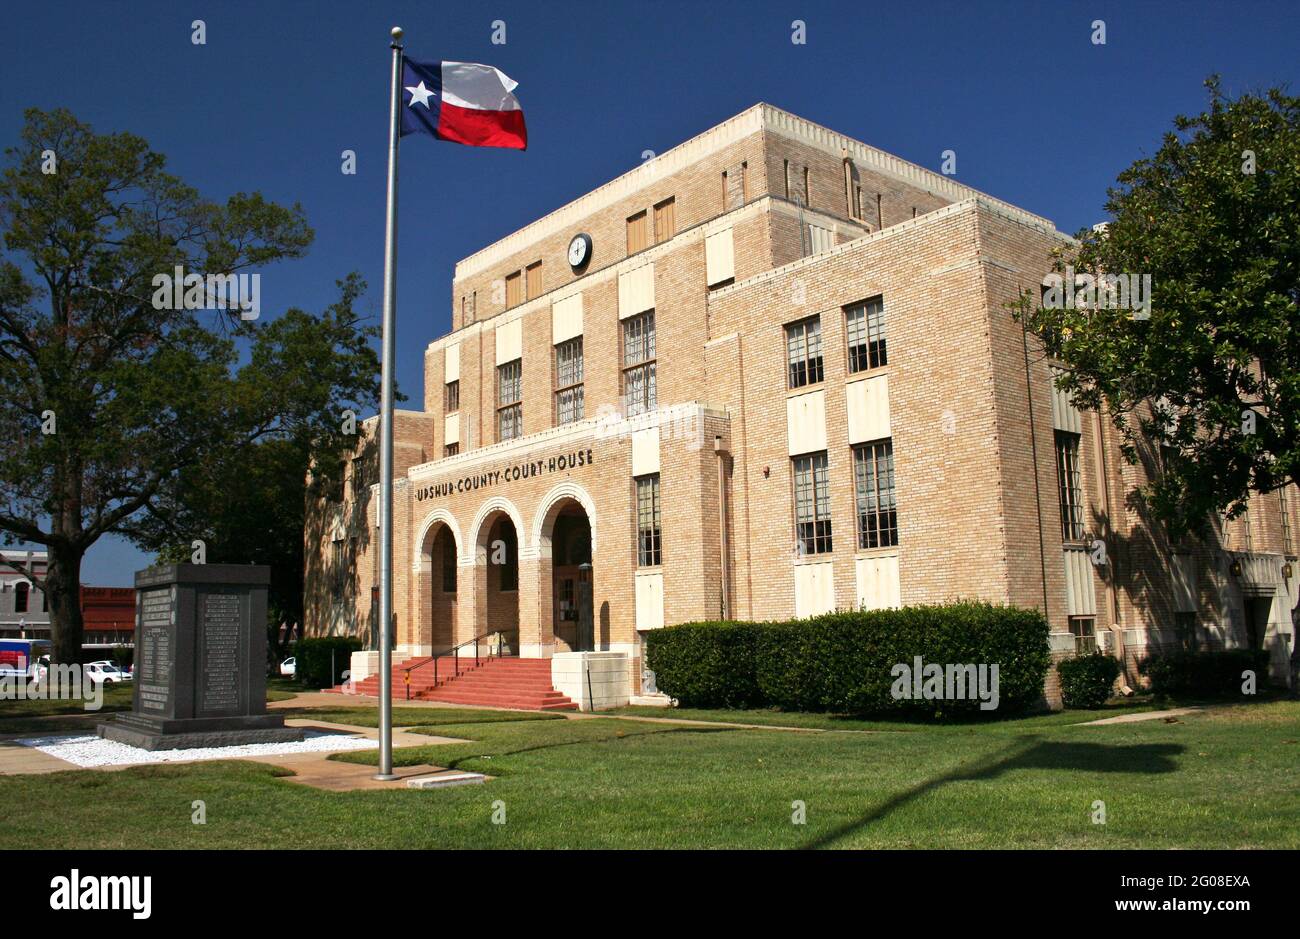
x: 24, y: 614
x: 769, y: 373
x: 108, y: 612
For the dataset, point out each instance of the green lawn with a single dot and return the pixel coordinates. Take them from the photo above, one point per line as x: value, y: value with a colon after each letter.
x: 1223, y: 779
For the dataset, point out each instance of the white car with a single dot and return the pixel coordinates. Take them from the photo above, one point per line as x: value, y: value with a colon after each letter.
x: 105, y: 672
x: 289, y: 667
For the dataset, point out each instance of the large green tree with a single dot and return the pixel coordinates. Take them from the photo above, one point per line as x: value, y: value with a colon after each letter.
x: 1210, y: 381
x: 108, y: 397
x: 252, y: 507
x: 1205, y: 388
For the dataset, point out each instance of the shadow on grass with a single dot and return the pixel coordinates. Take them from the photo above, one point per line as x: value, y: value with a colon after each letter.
x: 1025, y: 753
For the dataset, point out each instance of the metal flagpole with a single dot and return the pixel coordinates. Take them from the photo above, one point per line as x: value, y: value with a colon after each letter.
x: 386, y: 431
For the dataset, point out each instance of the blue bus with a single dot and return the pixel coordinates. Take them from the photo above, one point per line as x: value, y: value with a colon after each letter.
x: 21, y: 656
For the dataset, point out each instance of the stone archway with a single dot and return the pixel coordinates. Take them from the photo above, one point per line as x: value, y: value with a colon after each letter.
x: 436, y: 583
x: 564, y: 532
x: 496, y: 573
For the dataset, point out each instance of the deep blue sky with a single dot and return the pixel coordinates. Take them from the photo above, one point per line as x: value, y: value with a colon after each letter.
x: 1036, y: 113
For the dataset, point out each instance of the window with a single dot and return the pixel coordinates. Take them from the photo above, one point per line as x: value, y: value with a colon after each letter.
x: 509, y: 566
x: 865, y: 327
x: 639, y: 363
x: 787, y: 178
x: 1185, y: 628
x: 636, y: 233
x: 448, y: 565
x: 725, y: 189
x: 1084, y: 629
x: 812, y: 505
x: 568, y: 381
x: 21, y: 593
x: 873, y: 477
x: 807, y: 188
x: 1285, y: 515
x: 1067, y: 475
x: 509, y: 393
x: 665, y: 220
x: 649, y: 548
x: 337, y: 573
x: 452, y: 404
x: 514, y: 290
x: 451, y: 449
x: 534, y: 280
x: 803, y: 345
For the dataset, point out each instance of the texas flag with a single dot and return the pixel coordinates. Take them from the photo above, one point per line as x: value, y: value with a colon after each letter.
x: 462, y: 102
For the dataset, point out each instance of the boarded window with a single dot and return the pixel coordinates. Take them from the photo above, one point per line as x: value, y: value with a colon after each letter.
x: 514, y: 290
x: 637, y: 237
x: 534, y: 280
x: 665, y: 220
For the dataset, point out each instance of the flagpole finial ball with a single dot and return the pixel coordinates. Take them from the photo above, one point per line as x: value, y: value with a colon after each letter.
x: 397, y: 34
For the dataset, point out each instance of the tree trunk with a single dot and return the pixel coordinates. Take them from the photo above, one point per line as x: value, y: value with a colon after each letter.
x: 63, y: 592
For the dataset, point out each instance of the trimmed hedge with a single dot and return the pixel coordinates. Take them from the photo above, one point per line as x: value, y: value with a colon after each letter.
x: 844, y: 662
x: 1087, y: 681
x: 314, y: 658
x: 1204, y: 674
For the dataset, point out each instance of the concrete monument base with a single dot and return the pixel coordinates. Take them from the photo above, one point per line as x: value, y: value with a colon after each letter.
x: 154, y: 734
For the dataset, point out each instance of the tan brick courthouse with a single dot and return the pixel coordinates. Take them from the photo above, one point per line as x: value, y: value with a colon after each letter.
x: 768, y: 373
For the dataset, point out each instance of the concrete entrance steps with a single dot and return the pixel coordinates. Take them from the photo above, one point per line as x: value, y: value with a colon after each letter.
x: 421, y: 676
x: 505, y: 683
x: 521, y: 684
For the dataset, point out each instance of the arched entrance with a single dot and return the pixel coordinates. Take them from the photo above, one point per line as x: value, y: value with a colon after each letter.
x: 437, y: 586
x: 566, y: 531
x: 497, y: 578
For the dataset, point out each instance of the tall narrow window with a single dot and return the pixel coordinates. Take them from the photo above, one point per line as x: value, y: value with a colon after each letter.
x: 639, y: 363
x: 649, y: 548
x: 514, y: 290
x: 803, y: 347
x: 787, y: 178
x: 568, y: 381
x: 1285, y: 515
x: 812, y: 505
x: 807, y: 188
x: 873, y: 476
x: 1068, y: 482
x: 744, y: 183
x: 509, y: 396
x: 448, y: 563
x: 21, y: 592
x: 636, y: 233
x: 534, y: 280
x: 665, y: 220
x: 726, y: 188
x: 865, y: 327
x: 337, y: 574
x: 453, y: 397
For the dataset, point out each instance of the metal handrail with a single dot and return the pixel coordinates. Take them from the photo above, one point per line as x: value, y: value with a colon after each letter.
x: 455, y: 651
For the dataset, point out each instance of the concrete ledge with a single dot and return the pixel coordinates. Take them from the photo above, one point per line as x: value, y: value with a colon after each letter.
x: 595, y: 680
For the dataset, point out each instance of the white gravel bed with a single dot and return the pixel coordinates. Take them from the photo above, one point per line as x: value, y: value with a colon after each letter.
x: 91, y: 751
